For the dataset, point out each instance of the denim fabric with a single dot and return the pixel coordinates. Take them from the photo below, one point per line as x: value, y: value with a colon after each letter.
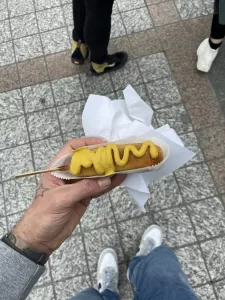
x: 157, y: 276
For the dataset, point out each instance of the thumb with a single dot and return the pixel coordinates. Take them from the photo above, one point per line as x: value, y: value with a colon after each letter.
x: 84, y: 189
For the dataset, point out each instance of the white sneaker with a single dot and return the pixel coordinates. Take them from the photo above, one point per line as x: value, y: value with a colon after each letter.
x: 108, y: 273
x: 151, y: 239
x: 206, y: 56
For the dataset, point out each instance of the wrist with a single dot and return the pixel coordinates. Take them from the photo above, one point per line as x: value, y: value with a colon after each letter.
x: 19, y: 246
x: 25, y: 240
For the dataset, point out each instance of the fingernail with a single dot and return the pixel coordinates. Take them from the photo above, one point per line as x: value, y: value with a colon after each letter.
x: 104, y: 182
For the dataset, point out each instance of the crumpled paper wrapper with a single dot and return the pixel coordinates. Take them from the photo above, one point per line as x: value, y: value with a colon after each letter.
x: 119, y: 119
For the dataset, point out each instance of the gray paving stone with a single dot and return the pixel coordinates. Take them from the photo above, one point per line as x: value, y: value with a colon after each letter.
x: 191, y: 9
x: 209, y: 4
x: 96, y: 85
x: 17, y: 8
x: 163, y: 92
x: 3, y: 10
x: 68, y: 14
x: 7, y: 54
x: 73, y: 135
x: 24, y: 25
x: 70, y: 116
x: 37, y: 97
x: 190, y: 141
x: 125, y: 5
x: 98, y: 214
x: 43, y: 124
x: 50, y: 19
x: 127, y: 75
x: 69, y: 288
x: 42, y: 293
x: 193, y: 264
x: 3, y: 227
x: 97, y: 240
x: 11, y: 104
x: 137, y: 20
x: 208, y: 217
x: 115, y: 8
x: 69, y: 259
x: 13, y: 132
x: 67, y: 90
x: 15, y: 160
x: 28, y: 47
x: 118, y: 28
x: 123, y: 205
x: 220, y: 289
x: 164, y: 193
x: 214, y: 255
x: 19, y: 194
x: 45, y: 278
x: 5, y: 34
x: 205, y: 292
x: 176, y: 116
x: 131, y: 232
x: 42, y: 4
x: 55, y: 41
x: 45, y: 150
x: 154, y: 67
x: 195, y: 182
x: 176, y: 226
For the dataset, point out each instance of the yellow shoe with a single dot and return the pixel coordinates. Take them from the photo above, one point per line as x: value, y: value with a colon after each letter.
x: 79, y: 52
x: 112, y: 63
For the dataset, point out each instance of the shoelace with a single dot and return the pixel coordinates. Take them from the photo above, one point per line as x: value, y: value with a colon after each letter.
x: 107, y: 279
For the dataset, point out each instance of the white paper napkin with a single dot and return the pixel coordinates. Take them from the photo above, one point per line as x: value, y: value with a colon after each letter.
x: 119, y: 119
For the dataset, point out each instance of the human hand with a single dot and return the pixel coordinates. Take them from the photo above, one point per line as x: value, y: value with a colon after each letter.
x: 58, y: 205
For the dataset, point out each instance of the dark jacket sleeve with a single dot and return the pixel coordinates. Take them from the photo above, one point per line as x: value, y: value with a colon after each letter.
x: 18, y: 274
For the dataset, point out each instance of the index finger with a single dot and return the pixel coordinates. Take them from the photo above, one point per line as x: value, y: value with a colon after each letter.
x: 75, y: 144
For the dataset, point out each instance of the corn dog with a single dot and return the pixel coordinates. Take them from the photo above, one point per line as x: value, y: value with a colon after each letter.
x: 107, y: 160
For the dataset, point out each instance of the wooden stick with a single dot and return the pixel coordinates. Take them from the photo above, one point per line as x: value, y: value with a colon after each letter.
x: 63, y: 168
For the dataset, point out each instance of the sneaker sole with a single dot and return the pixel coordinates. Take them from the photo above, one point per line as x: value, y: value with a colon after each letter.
x: 108, y: 250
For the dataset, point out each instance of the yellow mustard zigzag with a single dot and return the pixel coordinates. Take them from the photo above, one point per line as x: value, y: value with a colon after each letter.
x: 102, y: 158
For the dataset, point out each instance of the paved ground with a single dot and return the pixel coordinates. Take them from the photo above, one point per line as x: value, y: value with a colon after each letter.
x: 41, y: 100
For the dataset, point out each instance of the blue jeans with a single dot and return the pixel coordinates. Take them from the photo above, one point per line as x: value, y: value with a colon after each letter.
x: 157, y: 276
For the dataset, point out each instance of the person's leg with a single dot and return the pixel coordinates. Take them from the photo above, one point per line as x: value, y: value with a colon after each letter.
x: 209, y: 48
x: 79, y: 48
x: 217, y: 33
x: 97, y: 28
x: 97, y: 31
x: 156, y: 272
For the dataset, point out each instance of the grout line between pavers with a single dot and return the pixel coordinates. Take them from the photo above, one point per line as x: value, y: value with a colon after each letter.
x: 52, y: 280
x: 82, y: 233
x: 27, y: 128
x: 196, y: 236
x: 117, y: 228
x: 181, y: 21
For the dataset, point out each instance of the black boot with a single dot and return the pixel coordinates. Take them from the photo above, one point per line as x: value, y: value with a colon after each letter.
x: 113, y: 62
